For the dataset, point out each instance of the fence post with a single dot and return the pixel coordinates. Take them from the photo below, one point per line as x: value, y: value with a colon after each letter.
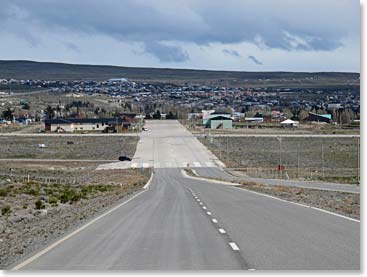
x: 322, y: 155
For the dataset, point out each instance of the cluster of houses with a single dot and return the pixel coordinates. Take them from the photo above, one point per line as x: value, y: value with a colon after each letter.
x: 261, y: 104
x: 222, y: 120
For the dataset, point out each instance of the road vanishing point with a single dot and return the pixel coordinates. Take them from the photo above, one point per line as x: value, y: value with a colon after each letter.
x: 178, y: 223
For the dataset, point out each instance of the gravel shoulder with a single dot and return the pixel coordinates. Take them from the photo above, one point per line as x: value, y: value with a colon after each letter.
x: 35, y: 213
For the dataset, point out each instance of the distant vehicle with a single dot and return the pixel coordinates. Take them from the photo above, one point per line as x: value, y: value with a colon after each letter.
x: 145, y: 129
x: 41, y: 145
x: 124, y: 158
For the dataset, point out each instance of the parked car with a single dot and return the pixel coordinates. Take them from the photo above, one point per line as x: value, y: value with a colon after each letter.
x: 124, y: 158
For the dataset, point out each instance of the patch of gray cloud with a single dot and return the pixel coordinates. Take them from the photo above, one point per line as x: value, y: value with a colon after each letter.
x: 255, y: 60
x: 307, y: 25
x: 231, y: 52
x: 72, y: 46
x: 166, y: 53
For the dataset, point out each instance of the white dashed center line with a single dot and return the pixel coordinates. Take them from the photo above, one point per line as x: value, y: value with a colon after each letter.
x: 220, y: 230
x: 234, y: 246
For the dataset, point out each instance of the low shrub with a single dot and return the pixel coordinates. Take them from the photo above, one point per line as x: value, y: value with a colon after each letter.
x: 3, y: 192
x: 5, y: 211
x: 53, y: 201
x: 39, y: 205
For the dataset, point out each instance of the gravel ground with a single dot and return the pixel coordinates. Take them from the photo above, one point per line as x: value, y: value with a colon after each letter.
x: 26, y: 227
x: 89, y: 148
x: 338, y: 156
x: 343, y: 203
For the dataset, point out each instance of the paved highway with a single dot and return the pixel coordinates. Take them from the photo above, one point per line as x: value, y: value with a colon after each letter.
x: 178, y: 223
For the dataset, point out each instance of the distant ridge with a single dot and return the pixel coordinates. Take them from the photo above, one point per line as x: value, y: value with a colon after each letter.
x: 21, y: 69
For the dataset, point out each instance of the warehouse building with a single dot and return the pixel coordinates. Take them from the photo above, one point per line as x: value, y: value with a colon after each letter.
x: 85, y: 124
x: 219, y: 122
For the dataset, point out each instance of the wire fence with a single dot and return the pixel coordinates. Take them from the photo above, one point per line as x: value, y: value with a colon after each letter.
x: 290, y: 157
x: 44, y: 179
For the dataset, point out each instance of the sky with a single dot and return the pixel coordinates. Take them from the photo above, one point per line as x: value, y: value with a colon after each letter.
x: 239, y: 35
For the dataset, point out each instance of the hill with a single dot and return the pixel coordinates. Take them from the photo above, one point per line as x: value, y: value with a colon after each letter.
x: 19, y: 69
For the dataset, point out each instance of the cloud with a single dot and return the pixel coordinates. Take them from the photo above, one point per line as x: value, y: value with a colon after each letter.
x: 196, y: 33
x: 166, y: 53
x: 254, y: 60
x: 231, y: 52
x: 292, y: 25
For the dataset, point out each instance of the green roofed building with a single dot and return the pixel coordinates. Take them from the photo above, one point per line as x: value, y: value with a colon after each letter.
x: 319, y: 117
x: 219, y: 122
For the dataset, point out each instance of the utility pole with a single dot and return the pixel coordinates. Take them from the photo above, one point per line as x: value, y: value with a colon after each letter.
x: 358, y: 169
x: 322, y: 156
x: 280, y: 157
x: 298, y: 160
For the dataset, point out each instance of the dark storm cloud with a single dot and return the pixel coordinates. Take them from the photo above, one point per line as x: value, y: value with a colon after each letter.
x: 255, y: 60
x: 231, y: 52
x: 166, y: 53
x: 289, y: 25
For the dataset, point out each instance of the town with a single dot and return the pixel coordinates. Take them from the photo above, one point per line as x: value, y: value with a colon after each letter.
x: 131, y: 101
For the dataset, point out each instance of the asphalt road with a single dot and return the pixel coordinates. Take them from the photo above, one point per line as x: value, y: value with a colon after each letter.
x: 178, y: 223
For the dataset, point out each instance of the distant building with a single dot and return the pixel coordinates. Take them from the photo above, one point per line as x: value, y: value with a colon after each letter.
x: 289, y: 123
x: 117, y: 80
x: 206, y: 115
x: 85, y: 124
x: 254, y: 119
x: 319, y: 117
x: 334, y: 106
x: 219, y: 122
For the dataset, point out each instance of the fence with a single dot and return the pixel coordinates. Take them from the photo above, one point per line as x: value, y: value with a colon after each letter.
x: 310, y: 158
x: 43, y: 179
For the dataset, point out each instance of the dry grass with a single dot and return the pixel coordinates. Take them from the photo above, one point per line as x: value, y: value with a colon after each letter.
x: 93, y: 148
x: 344, y: 203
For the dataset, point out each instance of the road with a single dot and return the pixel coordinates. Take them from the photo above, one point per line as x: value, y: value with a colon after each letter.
x: 167, y: 144
x: 178, y: 223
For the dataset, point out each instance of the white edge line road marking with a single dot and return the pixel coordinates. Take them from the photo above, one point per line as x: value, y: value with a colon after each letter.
x: 214, y: 220
x: 233, y: 185
x: 47, y: 249
x: 222, y: 231
x: 234, y: 246
x: 195, y: 172
x: 147, y: 185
